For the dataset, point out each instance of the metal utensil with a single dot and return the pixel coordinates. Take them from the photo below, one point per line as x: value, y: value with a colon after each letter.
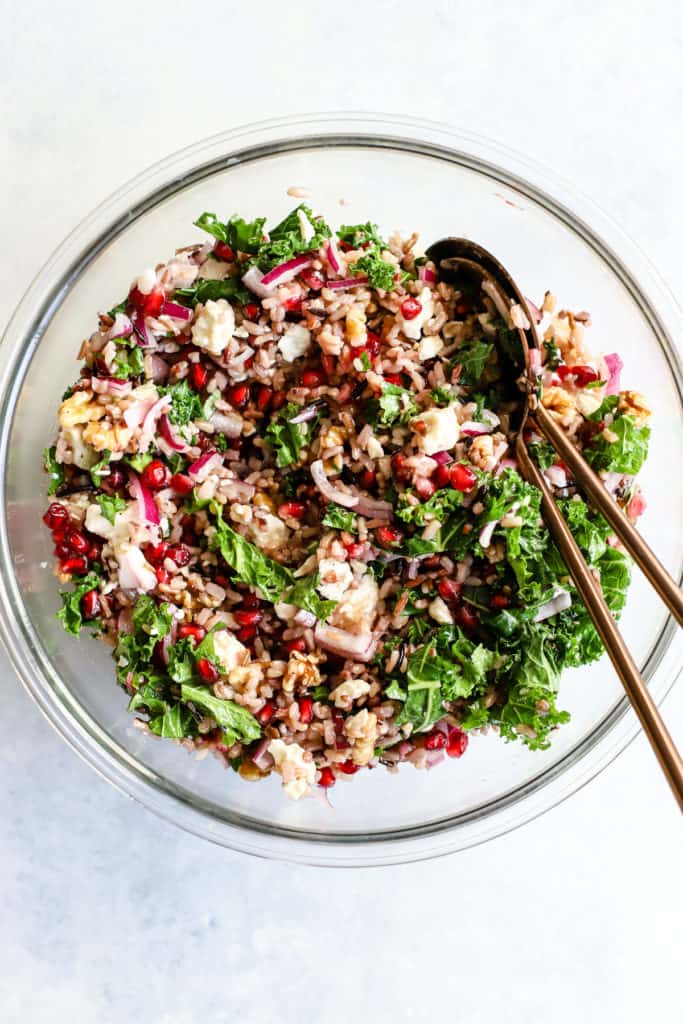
x: 469, y: 263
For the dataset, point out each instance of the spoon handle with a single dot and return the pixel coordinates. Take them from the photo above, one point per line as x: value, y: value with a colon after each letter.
x: 591, y: 595
x: 592, y: 486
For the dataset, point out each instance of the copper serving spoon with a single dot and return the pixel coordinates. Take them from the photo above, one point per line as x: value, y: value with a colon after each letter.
x: 459, y: 259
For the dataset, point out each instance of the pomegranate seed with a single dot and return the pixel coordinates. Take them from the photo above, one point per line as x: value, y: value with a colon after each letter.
x: 90, y: 605
x: 344, y: 246
x: 113, y: 481
x: 77, y: 566
x: 207, y: 670
x: 248, y: 617
x: 582, y: 374
x: 179, y: 554
x: 305, y: 710
x: 77, y: 541
x: 328, y: 365
x: 147, y: 305
x: 394, y: 378
x: 449, y: 590
x: 466, y: 617
x: 221, y: 580
x: 312, y: 378
x: 398, y: 466
x: 387, y: 535
x: 266, y: 713
x: 161, y: 575
x: 291, y: 509
x: 441, y: 476
x: 354, y: 549
x: 293, y: 305
x: 297, y: 644
x: 248, y: 363
x: 425, y: 487
x: 373, y: 345
x: 410, y: 308
x: 348, y: 767
x: 224, y: 252
x: 500, y: 601
x: 251, y: 311
x: 278, y: 400
x: 313, y: 280
x: 431, y: 562
x: 457, y: 743
x: 368, y: 479
x: 155, y: 475
x: 435, y: 741
x: 62, y: 550
x: 462, y: 478
x: 327, y: 778
x: 338, y: 720
x: 246, y: 634
x: 155, y: 553
x: 238, y: 396
x: 198, y: 376
x: 462, y: 308
x: 180, y: 483
x: 194, y: 632
x: 251, y: 601
x: 264, y: 397
x: 56, y: 516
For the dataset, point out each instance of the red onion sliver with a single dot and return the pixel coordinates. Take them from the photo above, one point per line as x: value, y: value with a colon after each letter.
x: 175, y: 310
x: 357, y: 646
x: 559, y: 603
x: 328, y: 490
x: 167, y: 434
x: 535, y: 361
x: 253, y: 280
x: 426, y: 274
x: 555, y: 476
x: 332, y: 255
x: 150, y: 421
x: 373, y: 508
x: 306, y: 414
x: 347, y: 282
x: 473, y: 428
x: 536, y: 314
x: 615, y: 366
x: 442, y: 458
x: 138, y: 322
x: 205, y: 464
x: 121, y: 327
x: 147, y: 506
x: 487, y: 533
x: 160, y: 369
x: 285, y: 272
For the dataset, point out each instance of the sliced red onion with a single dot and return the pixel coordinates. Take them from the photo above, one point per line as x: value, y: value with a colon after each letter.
x: 138, y: 322
x: 374, y: 508
x: 261, y: 758
x: 487, y: 533
x: 435, y: 757
x: 612, y: 481
x: 253, y: 280
x: 556, y: 476
x: 285, y: 272
x: 167, y: 434
x: 163, y: 647
x: 304, y: 618
x: 505, y: 464
x: 405, y: 748
x: 147, y: 506
x: 636, y: 506
x: 205, y: 464
x: 121, y: 327
x: 305, y: 415
x: 150, y: 421
x: 136, y: 412
x: 442, y: 458
x: 536, y: 314
x: 493, y: 292
x: 347, y: 282
x: 473, y: 428
x: 535, y: 362
x: 355, y: 646
x: 111, y: 386
x: 160, y: 369
x: 426, y: 274
x: 328, y: 490
x: 333, y: 255
x: 615, y: 366
x: 175, y: 310
x: 559, y: 603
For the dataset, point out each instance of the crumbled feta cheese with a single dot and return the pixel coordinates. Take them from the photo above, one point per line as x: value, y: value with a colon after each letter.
x: 147, y: 281
x: 413, y: 328
x: 440, y: 612
x: 267, y: 531
x: 437, y: 430
x: 115, y: 532
x: 229, y: 651
x: 335, y: 579
x: 429, y: 347
x: 588, y: 402
x: 214, y: 326
x: 374, y: 448
x: 72, y: 448
x: 343, y: 695
x: 295, y: 342
x: 294, y: 765
x: 356, y: 611
x: 214, y: 270
x: 135, y: 572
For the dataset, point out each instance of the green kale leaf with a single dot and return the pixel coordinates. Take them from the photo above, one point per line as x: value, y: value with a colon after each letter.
x: 239, y: 234
x: 247, y: 562
x: 305, y: 595
x: 339, y: 518
x: 625, y: 455
x: 70, y: 614
x: 286, y: 438
x: 54, y: 468
x: 109, y: 506
x: 473, y: 358
x: 205, y: 289
x: 236, y: 722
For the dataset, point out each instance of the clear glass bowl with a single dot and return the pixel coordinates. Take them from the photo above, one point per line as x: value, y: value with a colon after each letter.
x: 403, y: 175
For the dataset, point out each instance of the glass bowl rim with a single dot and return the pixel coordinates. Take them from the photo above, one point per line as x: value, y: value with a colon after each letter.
x: 23, y: 333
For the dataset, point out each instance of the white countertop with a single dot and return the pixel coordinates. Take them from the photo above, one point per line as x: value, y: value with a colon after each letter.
x: 108, y: 915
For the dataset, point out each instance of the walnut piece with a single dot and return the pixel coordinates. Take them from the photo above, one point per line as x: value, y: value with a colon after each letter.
x: 301, y: 672
x: 632, y: 403
x: 361, y: 729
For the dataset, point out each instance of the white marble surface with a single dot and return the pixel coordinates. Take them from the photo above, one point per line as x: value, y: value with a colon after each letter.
x: 108, y: 915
